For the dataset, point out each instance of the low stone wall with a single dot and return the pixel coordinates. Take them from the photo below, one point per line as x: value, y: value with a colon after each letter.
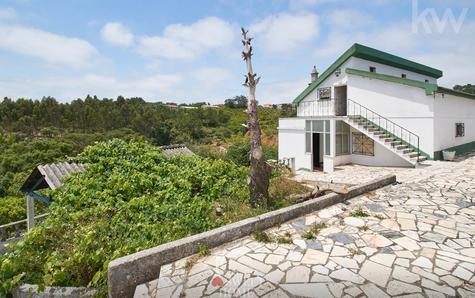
x: 31, y: 291
x: 127, y: 272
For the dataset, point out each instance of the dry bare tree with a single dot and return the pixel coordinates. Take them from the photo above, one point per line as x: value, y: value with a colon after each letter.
x: 259, y: 172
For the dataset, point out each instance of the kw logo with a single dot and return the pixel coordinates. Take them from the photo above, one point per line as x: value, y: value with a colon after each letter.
x: 422, y: 19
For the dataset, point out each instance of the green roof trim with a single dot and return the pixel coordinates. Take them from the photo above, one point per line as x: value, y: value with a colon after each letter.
x: 429, y: 88
x: 455, y: 92
x: 370, y: 54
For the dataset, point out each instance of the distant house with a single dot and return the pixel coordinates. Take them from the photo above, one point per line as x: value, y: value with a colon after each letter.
x: 374, y: 108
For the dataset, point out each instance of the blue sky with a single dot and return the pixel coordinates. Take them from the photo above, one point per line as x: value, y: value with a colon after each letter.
x: 188, y: 51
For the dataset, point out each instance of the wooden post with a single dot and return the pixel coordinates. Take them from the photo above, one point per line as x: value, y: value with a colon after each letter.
x: 30, y: 212
x: 259, y: 172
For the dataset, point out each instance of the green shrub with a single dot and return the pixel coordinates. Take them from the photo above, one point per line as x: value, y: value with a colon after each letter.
x: 239, y: 152
x: 12, y: 209
x: 130, y: 198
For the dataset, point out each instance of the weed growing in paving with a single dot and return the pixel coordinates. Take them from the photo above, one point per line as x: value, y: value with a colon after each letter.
x: 316, y: 228
x: 203, y: 250
x: 378, y: 216
x: 261, y: 236
x: 309, y: 235
x: 359, y: 212
x: 363, y: 228
x: 286, y: 239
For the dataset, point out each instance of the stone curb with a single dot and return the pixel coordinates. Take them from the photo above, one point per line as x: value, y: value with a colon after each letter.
x: 31, y: 291
x: 125, y: 273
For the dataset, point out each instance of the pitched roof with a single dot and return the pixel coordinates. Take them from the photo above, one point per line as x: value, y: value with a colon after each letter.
x: 50, y: 175
x: 370, y: 54
x: 428, y: 87
x: 171, y: 150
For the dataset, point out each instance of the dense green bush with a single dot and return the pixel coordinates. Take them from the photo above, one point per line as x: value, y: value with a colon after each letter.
x: 130, y: 198
x: 12, y: 209
x: 239, y: 152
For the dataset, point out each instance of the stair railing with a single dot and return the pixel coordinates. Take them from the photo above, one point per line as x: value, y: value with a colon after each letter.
x: 406, y: 136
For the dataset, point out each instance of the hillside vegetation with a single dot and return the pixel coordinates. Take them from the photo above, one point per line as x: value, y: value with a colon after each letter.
x: 35, y: 132
x: 130, y: 198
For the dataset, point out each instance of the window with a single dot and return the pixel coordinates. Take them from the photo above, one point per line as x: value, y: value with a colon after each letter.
x: 459, y: 130
x: 427, y: 81
x: 362, y: 145
x: 308, y: 136
x: 403, y: 75
x: 324, y: 93
x: 327, y: 144
x: 372, y: 69
x: 342, y: 141
x: 317, y: 126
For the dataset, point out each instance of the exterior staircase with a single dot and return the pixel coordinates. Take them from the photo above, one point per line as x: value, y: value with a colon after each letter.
x: 385, y: 132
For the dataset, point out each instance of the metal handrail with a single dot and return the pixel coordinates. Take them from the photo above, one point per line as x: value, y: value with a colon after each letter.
x: 322, y: 107
x: 362, y: 111
x: 16, y: 226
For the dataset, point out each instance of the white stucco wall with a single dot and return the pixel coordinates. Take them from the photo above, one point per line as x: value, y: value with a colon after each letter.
x: 361, y: 64
x: 382, y: 157
x: 407, y: 106
x: 292, y: 142
x: 448, y: 111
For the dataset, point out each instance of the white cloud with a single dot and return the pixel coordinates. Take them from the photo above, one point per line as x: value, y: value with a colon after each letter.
x: 448, y: 51
x: 180, y: 41
x: 348, y: 19
x: 341, y: 39
x: 50, y: 47
x: 304, y: 5
x: 7, y: 13
x: 285, y: 32
x: 212, y: 75
x: 117, y: 34
x: 280, y: 91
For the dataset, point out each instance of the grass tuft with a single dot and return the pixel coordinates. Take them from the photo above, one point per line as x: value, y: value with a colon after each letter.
x: 309, y: 235
x: 261, y: 236
x: 359, y: 212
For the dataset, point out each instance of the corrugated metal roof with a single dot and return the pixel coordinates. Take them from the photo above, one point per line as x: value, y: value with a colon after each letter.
x: 50, y: 175
x: 172, y: 150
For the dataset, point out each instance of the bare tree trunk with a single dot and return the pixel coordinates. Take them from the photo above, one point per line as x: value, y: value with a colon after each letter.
x: 259, y: 173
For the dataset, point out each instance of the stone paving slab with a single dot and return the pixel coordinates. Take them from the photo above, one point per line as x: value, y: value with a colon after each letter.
x: 414, y: 239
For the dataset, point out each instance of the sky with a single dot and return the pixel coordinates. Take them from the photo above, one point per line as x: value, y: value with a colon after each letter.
x: 189, y: 51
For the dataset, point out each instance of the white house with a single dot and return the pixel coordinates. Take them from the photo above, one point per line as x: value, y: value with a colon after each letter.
x: 373, y: 108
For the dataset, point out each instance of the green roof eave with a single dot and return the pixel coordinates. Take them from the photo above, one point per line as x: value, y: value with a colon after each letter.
x: 378, y: 56
x: 370, y: 54
x: 428, y: 87
x: 445, y: 90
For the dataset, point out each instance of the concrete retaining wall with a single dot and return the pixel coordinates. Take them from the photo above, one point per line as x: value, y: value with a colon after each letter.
x: 127, y: 272
x: 31, y: 291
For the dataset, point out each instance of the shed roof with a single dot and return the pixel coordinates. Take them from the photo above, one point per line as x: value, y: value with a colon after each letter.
x: 171, y: 150
x: 50, y: 175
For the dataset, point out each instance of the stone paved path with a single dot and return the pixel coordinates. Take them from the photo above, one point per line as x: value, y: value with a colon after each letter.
x: 418, y: 240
